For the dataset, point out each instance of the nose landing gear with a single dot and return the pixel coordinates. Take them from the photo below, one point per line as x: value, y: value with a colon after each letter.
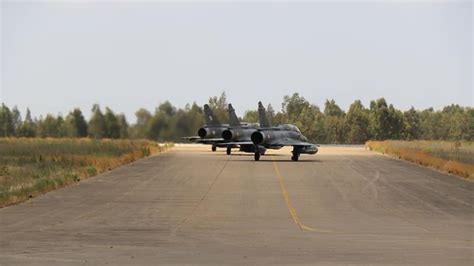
x: 257, y: 156
x: 257, y: 153
x: 296, y: 154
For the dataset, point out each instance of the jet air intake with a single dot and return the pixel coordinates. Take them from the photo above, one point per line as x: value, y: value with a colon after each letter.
x: 257, y: 137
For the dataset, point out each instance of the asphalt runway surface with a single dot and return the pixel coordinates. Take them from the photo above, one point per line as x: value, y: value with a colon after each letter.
x: 189, y: 205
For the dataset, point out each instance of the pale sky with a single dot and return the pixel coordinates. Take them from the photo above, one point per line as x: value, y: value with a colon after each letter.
x: 127, y: 55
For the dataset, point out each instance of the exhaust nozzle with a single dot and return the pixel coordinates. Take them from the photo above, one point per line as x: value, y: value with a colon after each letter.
x: 257, y: 137
x: 227, y: 135
x: 202, y: 132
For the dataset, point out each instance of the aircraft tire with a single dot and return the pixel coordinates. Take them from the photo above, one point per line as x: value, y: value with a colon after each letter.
x: 257, y: 156
x: 214, y: 148
x: 295, y: 157
x: 228, y: 151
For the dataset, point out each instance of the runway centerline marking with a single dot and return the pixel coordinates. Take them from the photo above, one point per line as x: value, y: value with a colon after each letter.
x: 291, y: 209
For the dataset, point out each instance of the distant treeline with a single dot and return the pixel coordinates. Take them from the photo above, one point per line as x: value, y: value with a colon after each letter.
x: 379, y: 121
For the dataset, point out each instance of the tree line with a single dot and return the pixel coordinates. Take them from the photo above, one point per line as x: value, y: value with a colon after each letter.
x: 378, y: 121
x: 167, y: 123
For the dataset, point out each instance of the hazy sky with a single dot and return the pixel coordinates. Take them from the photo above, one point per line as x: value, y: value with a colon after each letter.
x: 56, y: 56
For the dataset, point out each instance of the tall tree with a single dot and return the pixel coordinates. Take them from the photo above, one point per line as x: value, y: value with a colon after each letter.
x: 112, y: 125
x: 179, y: 124
x: 456, y: 118
x: 16, y: 120
x: 187, y: 121
x: 251, y: 116
x: 311, y: 123
x: 97, y: 127
x: 122, y: 120
x: 427, y: 124
x: 167, y: 108
x: 219, y: 106
x: 470, y: 124
x: 334, y: 122
x: 78, y: 124
x: 162, y: 123
x: 63, y: 127
x: 379, y: 121
x: 356, y: 123
x: 28, y: 127
x: 50, y: 126
x: 292, y: 107
x: 158, y: 126
x: 7, y: 127
x: 395, y: 123
x: 332, y: 109
x: 334, y: 126
x: 140, y: 129
x: 197, y: 118
x: 412, y: 124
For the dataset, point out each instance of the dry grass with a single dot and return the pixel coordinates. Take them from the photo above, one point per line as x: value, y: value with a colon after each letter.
x: 449, y: 156
x: 29, y: 167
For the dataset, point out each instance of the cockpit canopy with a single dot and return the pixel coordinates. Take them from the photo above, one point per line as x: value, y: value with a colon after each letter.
x: 250, y: 125
x: 291, y: 128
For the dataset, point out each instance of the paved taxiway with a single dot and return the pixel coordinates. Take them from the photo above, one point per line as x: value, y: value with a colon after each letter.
x: 344, y: 205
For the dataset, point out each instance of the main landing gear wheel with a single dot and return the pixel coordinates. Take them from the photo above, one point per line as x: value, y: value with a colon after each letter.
x: 295, y: 156
x: 214, y: 148
x: 228, y: 151
x: 257, y: 156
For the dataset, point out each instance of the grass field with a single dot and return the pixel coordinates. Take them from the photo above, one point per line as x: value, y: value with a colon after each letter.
x: 29, y: 167
x: 449, y: 156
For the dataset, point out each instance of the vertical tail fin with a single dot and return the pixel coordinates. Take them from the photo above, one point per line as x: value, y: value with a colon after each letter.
x: 211, y: 119
x: 233, y: 119
x: 262, y: 115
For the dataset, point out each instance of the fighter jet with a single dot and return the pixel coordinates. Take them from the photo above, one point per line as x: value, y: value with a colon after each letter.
x: 211, y: 131
x: 276, y: 137
x: 238, y: 134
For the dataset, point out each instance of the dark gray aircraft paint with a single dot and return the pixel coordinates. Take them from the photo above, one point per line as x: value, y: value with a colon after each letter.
x: 211, y: 131
x: 251, y: 137
x: 238, y: 134
x: 276, y: 137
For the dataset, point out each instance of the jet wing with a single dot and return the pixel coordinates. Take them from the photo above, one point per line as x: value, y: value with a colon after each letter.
x: 276, y: 143
x: 240, y: 143
x: 290, y: 142
x: 210, y: 140
x: 298, y: 146
x: 192, y: 138
x: 198, y: 139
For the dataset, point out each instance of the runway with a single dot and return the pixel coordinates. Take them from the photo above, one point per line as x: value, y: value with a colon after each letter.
x: 189, y: 205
